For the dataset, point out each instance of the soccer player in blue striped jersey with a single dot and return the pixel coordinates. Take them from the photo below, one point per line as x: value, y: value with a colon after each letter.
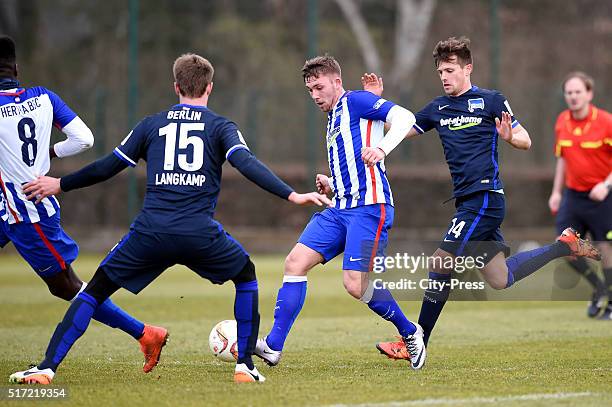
x: 27, y: 115
x: 362, y: 212
x: 469, y: 121
x: 184, y: 148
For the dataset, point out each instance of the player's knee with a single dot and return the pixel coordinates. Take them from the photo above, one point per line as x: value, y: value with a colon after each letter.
x: 64, y: 290
x: 294, y: 265
x: 246, y: 274
x: 354, y: 288
x: 497, y: 285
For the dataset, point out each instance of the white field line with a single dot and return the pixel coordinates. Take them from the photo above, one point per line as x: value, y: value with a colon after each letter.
x: 473, y: 400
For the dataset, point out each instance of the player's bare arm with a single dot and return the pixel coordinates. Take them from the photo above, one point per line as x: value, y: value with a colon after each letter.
x: 517, y: 137
x: 554, y: 202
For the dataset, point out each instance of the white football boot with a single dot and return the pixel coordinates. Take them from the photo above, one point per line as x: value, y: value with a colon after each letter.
x: 416, y: 348
x: 270, y: 356
x: 243, y: 374
x: 33, y: 375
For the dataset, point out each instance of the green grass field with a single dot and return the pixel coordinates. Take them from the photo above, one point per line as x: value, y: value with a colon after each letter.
x: 483, y: 353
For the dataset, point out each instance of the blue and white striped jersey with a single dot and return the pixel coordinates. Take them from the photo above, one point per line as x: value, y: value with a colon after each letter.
x: 26, y: 118
x: 357, y: 121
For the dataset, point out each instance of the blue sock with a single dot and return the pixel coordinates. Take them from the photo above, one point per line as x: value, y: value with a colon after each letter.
x: 289, y: 302
x: 382, y: 303
x: 246, y: 312
x: 434, y: 299
x: 526, y: 263
x: 71, y: 328
x: 110, y: 314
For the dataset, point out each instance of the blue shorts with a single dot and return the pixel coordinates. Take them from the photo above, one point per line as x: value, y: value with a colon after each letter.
x: 361, y: 233
x: 585, y: 215
x: 44, y: 245
x: 475, y: 227
x: 140, y: 257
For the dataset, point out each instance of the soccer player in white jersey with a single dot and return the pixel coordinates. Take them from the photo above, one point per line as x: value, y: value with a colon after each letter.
x: 362, y: 212
x: 26, y: 117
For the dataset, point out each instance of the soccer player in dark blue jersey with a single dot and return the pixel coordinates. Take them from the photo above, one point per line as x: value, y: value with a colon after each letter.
x: 185, y: 148
x: 469, y: 121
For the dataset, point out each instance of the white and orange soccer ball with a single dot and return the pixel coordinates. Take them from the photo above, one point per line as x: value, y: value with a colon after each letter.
x: 223, y: 341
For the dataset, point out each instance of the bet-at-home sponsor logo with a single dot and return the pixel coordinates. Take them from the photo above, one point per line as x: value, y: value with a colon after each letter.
x: 461, y: 122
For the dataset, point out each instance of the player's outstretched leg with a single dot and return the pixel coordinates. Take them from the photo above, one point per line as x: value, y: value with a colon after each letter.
x: 246, y: 312
x: 526, y: 263
x: 384, y: 305
x: 67, y: 285
x: 66, y: 333
x: 289, y: 302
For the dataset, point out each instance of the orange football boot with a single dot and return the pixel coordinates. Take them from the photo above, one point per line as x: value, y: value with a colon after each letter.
x: 152, y: 341
x: 579, y: 247
x: 394, y: 350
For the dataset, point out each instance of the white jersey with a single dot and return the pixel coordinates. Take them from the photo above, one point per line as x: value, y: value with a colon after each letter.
x: 26, y: 118
x: 357, y: 121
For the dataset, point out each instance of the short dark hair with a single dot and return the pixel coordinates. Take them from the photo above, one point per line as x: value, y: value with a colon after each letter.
x: 453, y: 47
x: 8, y: 56
x: 589, y: 83
x: 321, y: 65
x: 192, y: 73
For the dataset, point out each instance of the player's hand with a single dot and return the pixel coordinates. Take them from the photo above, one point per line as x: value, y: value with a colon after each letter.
x: 599, y: 192
x: 372, y: 155
x: 554, y: 202
x: 322, y: 183
x: 310, y: 198
x: 504, y: 127
x: 42, y: 187
x: 372, y: 83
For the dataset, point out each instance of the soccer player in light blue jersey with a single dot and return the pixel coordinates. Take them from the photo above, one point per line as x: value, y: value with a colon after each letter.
x: 362, y: 212
x: 469, y: 121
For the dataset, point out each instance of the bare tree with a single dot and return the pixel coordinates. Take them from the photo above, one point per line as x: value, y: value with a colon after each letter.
x: 411, y: 27
x: 8, y: 17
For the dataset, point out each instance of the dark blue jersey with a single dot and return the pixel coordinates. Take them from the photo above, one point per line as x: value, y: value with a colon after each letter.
x: 184, y: 148
x: 466, y: 125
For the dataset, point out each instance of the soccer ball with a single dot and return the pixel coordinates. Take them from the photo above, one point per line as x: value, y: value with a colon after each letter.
x: 223, y: 341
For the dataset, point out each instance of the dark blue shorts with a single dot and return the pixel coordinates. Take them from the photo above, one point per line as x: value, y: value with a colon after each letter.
x: 475, y: 229
x: 578, y: 211
x: 140, y: 257
x: 361, y: 233
x: 44, y: 245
